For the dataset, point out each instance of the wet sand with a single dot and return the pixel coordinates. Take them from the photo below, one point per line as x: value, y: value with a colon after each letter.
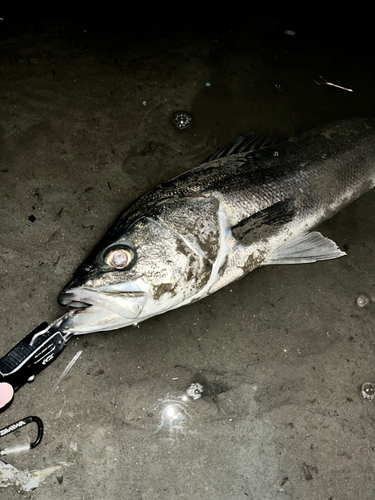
x: 86, y: 128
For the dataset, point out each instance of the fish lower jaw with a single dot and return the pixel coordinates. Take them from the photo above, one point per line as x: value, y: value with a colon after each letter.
x: 93, y: 319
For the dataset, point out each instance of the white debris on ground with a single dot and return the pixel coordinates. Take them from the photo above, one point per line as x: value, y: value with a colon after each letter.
x: 25, y: 480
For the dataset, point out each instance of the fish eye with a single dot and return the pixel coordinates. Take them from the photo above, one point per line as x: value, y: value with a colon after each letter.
x: 119, y: 258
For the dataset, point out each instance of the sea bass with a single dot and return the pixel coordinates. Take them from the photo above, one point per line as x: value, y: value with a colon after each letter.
x: 237, y: 211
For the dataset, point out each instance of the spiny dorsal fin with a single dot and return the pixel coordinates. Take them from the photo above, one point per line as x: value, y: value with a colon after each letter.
x: 243, y: 144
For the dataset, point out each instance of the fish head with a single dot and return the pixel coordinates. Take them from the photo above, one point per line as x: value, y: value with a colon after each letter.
x: 146, y: 267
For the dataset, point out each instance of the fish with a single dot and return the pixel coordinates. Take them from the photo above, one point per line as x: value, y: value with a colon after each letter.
x: 253, y: 203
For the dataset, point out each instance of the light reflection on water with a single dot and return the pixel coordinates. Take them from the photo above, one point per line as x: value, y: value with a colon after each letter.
x: 175, y: 414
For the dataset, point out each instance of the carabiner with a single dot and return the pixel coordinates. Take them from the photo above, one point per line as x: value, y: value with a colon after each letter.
x: 18, y: 425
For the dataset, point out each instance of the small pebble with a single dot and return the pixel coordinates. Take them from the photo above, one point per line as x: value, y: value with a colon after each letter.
x: 194, y: 391
x: 73, y: 446
x: 362, y: 301
x: 368, y: 390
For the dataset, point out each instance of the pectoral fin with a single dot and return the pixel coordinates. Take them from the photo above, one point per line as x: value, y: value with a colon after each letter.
x: 307, y: 248
x: 264, y: 223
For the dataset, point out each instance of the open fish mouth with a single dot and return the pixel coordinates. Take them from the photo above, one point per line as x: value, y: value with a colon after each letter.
x: 112, y: 307
x: 74, y: 304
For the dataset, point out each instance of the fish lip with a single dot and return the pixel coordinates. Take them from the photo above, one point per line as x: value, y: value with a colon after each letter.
x: 126, y: 300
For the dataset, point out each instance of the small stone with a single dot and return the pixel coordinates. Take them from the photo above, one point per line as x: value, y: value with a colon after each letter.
x: 368, y: 390
x: 73, y: 446
x: 194, y: 391
x: 362, y: 301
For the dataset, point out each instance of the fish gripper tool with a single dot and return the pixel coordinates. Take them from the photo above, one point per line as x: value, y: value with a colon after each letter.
x: 33, y: 353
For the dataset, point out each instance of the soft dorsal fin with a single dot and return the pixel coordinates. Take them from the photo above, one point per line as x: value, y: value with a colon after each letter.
x: 243, y: 144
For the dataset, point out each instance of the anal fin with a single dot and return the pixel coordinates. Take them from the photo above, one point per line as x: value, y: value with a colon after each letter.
x: 307, y: 248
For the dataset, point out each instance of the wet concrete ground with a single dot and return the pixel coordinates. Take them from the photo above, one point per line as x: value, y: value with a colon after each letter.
x: 86, y: 128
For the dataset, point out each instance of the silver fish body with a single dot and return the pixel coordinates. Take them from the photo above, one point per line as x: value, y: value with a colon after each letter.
x: 193, y: 235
